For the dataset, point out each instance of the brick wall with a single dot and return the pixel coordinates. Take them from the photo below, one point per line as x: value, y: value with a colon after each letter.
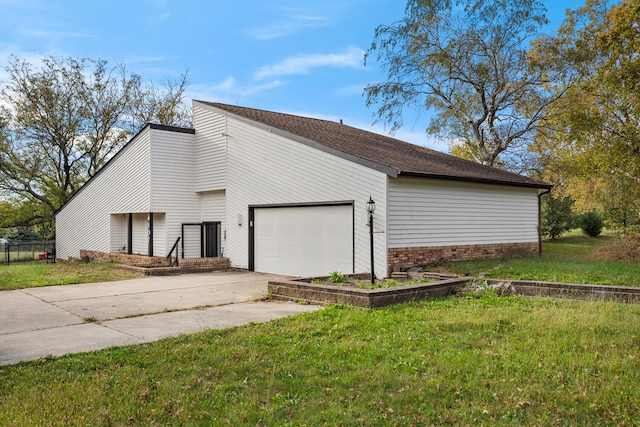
x: 403, y: 258
x: 156, y: 261
x: 135, y: 260
x: 205, y: 263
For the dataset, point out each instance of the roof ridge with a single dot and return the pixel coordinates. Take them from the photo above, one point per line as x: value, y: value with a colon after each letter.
x: 402, y: 157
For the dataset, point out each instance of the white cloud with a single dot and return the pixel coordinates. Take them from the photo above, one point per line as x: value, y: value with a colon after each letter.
x: 301, y: 64
x: 229, y: 90
x: 294, y: 21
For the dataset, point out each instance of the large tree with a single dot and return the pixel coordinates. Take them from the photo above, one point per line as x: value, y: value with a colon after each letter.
x: 466, y: 61
x: 64, y: 119
x: 592, y: 145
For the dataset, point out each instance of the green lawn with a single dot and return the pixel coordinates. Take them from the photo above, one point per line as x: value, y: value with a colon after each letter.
x: 453, y: 361
x: 461, y: 360
x: 29, y: 275
x: 566, y: 260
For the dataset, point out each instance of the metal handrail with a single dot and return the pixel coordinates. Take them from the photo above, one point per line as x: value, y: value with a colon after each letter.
x: 174, y: 261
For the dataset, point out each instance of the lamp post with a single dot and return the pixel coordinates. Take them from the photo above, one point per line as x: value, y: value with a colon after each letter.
x: 371, y: 208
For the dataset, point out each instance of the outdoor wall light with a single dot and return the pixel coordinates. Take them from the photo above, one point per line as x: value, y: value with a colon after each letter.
x: 371, y: 208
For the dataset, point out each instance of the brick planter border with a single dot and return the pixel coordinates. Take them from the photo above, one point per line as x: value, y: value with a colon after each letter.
x: 301, y: 290
x: 627, y: 294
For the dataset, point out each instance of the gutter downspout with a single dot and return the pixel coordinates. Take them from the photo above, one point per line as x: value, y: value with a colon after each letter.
x: 540, y: 220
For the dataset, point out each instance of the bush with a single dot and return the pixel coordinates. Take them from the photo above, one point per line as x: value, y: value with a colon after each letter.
x: 592, y: 223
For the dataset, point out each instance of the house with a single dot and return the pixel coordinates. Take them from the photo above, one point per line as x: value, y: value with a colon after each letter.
x: 287, y: 194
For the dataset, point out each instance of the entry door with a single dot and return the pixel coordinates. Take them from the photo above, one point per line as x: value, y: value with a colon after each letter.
x: 211, y: 239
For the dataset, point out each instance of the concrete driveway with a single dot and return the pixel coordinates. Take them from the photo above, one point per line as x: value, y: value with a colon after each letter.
x: 57, y: 320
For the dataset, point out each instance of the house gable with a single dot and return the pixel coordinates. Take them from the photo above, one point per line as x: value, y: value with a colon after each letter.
x: 392, y: 156
x: 265, y: 168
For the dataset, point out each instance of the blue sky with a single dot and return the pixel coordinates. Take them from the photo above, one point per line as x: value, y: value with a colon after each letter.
x: 299, y: 57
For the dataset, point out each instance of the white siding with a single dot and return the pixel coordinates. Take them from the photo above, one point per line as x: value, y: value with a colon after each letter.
x: 213, y: 208
x: 172, y: 189
x: 119, y: 232
x: 191, y: 242
x: 160, y: 234
x: 444, y: 213
x: 264, y: 168
x: 210, y: 153
x: 121, y: 187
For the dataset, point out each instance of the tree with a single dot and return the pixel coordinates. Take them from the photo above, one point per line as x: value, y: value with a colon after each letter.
x: 591, y: 223
x: 65, y: 119
x: 593, y: 143
x: 467, y: 60
x: 557, y: 215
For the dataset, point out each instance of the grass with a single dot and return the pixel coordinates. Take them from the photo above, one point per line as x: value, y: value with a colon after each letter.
x: 469, y: 360
x: 29, y: 275
x: 452, y: 361
x: 566, y: 260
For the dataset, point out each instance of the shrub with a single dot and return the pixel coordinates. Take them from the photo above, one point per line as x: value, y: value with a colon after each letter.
x: 337, y: 277
x: 592, y: 223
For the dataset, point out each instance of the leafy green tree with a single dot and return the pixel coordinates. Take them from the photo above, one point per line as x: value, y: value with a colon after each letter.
x: 22, y: 234
x: 593, y: 142
x: 557, y: 215
x: 64, y: 120
x: 467, y: 61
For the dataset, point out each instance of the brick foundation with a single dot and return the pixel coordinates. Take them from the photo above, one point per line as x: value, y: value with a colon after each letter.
x: 404, y: 258
x: 143, y: 261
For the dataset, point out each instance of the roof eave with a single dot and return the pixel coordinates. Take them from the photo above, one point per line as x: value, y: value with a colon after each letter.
x: 414, y: 174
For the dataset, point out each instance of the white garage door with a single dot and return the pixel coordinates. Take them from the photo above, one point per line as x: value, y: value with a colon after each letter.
x: 304, y: 241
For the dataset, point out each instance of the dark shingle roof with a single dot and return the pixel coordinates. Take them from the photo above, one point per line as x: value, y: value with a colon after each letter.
x: 395, y: 157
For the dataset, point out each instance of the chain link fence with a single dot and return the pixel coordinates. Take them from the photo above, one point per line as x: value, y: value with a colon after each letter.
x: 27, y: 251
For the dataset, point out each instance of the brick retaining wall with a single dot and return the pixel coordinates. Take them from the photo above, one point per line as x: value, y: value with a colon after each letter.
x: 195, y: 264
x: 403, y: 258
x: 134, y: 260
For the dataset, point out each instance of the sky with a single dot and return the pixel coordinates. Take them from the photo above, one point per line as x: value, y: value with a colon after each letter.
x: 291, y: 56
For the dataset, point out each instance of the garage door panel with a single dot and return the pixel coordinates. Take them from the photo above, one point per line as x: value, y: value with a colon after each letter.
x: 303, y: 241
